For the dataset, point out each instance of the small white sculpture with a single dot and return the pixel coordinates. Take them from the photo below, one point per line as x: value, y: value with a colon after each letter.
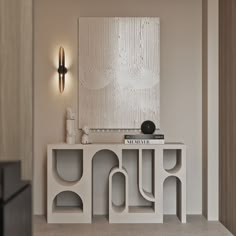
x: 70, y: 115
x: 70, y: 126
x: 85, y: 136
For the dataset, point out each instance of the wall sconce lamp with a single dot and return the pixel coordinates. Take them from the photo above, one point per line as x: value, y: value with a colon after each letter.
x: 62, y: 70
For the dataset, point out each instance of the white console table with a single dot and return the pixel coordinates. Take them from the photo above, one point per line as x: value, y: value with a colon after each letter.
x: 117, y: 214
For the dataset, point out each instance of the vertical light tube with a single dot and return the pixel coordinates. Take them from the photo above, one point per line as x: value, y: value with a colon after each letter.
x: 62, y: 70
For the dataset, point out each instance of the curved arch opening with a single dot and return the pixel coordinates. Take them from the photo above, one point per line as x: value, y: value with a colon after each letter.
x: 68, y: 166
x: 67, y: 202
x: 102, y: 163
x: 130, y: 161
x: 172, y: 160
x: 118, y: 191
x: 146, y: 171
x: 172, y: 189
x: 106, y: 151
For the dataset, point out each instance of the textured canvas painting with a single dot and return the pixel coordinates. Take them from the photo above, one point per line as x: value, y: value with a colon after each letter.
x: 119, y: 72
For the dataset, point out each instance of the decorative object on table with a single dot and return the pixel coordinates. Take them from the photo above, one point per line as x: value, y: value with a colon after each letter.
x: 70, y: 115
x: 144, y: 139
x: 148, y: 127
x: 70, y: 126
x: 62, y: 70
x: 85, y: 136
x: 119, y: 70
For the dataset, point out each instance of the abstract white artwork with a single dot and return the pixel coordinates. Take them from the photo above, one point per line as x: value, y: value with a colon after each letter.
x: 119, y: 72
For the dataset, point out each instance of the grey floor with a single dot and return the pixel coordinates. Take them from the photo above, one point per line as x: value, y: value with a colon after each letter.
x: 197, y: 225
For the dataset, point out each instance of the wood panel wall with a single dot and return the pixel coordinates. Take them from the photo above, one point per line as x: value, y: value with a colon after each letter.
x: 228, y: 114
x: 16, y: 98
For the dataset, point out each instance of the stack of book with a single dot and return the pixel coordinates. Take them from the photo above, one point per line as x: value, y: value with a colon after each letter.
x: 144, y: 139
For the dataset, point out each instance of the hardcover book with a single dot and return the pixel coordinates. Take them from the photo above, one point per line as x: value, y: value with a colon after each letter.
x: 144, y: 141
x: 144, y: 136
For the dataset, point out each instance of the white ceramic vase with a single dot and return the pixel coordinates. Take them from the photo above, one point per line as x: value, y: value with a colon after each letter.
x: 70, y: 132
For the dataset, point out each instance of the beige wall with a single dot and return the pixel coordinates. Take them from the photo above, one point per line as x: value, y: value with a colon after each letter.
x: 16, y: 83
x: 181, y: 77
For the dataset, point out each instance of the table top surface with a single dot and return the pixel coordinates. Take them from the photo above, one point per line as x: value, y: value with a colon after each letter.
x: 116, y: 145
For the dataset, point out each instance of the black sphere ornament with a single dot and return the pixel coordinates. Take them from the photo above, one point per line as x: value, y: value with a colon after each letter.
x: 148, y: 127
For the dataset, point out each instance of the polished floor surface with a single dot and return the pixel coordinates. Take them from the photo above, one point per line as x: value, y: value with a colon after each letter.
x: 197, y: 225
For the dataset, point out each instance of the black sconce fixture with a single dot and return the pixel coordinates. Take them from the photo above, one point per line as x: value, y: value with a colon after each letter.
x: 62, y: 70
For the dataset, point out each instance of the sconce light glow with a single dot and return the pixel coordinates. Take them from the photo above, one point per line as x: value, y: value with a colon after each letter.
x: 62, y: 70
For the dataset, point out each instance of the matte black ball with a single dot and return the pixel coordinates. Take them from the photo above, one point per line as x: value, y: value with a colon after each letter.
x: 148, y: 127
